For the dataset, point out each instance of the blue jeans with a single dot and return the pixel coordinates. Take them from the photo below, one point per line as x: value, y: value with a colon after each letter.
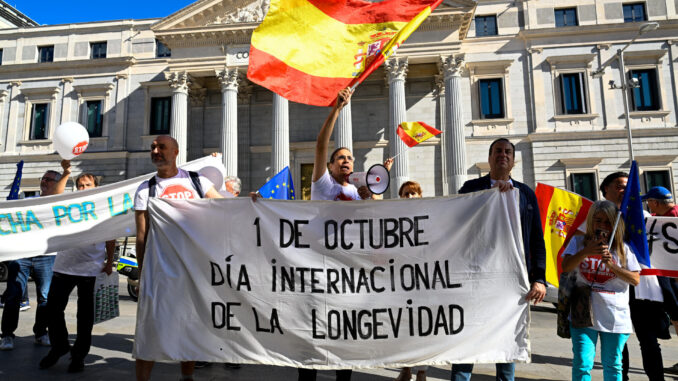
x: 462, y: 372
x: 584, y: 350
x: 19, y: 271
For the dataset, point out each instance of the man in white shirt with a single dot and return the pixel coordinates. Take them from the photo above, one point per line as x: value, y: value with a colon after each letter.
x: 75, y: 267
x: 173, y: 183
x: 52, y: 182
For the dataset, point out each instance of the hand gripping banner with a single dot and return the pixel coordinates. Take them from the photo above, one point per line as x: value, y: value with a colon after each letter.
x: 330, y: 285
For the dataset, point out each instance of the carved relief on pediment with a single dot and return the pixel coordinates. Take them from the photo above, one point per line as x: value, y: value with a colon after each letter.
x: 254, y: 12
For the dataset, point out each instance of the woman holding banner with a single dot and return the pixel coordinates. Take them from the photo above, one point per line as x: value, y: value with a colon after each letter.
x: 600, y: 301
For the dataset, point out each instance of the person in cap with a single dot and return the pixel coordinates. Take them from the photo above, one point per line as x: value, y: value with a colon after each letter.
x: 660, y: 202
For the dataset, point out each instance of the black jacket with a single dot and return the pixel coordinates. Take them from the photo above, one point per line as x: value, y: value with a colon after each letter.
x: 533, y: 235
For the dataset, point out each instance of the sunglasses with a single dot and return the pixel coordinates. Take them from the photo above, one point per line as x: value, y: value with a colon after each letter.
x: 48, y: 179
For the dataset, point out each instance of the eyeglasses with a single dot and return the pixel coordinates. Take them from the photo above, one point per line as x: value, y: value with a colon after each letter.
x: 344, y: 157
x: 48, y: 179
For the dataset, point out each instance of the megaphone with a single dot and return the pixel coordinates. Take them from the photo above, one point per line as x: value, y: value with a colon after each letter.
x: 376, y: 179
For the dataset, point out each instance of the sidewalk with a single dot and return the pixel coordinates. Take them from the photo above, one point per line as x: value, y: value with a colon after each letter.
x: 110, y: 357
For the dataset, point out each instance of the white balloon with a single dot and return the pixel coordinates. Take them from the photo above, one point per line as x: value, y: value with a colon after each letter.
x: 70, y: 140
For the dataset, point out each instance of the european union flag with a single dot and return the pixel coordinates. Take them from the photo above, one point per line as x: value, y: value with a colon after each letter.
x: 14, y: 192
x: 632, y: 212
x: 280, y: 187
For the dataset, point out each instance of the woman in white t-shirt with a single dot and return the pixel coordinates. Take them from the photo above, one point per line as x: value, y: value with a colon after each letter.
x: 608, y: 271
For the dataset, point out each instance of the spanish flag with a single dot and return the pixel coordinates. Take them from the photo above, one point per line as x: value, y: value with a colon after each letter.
x: 308, y: 50
x: 561, y: 212
x: 413, y: 133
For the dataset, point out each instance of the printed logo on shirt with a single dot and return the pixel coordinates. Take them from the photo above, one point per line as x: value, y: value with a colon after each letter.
x: 589, y: 266
x: 342, y: 197
x: 177, y: 192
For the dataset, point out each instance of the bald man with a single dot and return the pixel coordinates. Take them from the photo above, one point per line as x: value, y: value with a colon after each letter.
x: 174, y: 183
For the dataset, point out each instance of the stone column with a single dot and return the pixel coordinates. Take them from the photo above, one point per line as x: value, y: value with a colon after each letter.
x: 4, y: 94
x: 439, y: 94
x: 118, y: 135
x: 13, y: 119
x: 228, y: 78
x: 280, y: 139
x: 179, y: 82
x: 67, y: 84
x: 396, y: 69
x: 343, y: 130
x: 455, y: 143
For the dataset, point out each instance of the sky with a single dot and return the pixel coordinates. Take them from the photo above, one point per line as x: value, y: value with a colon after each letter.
x: 50, y: 12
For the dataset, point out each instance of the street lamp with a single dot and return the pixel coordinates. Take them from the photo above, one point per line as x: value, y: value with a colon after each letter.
x: 598, y: 73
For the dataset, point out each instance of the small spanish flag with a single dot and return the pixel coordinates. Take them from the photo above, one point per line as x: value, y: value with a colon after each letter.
x: 561, y: 213
x: 413, y: 133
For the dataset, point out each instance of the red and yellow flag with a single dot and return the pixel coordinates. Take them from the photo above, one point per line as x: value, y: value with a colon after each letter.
x: 413, y: 133
x: 308, y: 50
x: 561, y: 214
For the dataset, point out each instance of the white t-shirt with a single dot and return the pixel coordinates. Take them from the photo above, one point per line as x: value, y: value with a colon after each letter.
x: 82, y: 261
x: 179, y: 187
x: 326, y: 188
x: 609, y: 294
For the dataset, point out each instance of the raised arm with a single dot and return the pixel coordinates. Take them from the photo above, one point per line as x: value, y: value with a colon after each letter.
x: 320, y: 163
x: 61, y: 184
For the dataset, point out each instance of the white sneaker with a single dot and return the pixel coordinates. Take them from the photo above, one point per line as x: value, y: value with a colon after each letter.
x: 43, y: 340
x: 7, y: 343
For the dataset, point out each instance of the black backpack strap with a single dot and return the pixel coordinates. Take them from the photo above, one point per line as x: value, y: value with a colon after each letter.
x: 195, y: 178
x: 151, y: 186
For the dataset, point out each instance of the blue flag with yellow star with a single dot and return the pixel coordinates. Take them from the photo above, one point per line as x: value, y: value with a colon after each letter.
x: 16, y: 184
x: 632, y: 212
x: 280, y: 187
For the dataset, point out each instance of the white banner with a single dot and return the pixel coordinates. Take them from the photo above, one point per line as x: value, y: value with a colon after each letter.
x: 662, y: 242
x: 327, y: 285
x: 43, y: 225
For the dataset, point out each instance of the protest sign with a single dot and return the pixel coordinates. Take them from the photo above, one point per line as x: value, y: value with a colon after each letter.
x: 662, y: 242
x: 43, y: 225
x: 330, y: 285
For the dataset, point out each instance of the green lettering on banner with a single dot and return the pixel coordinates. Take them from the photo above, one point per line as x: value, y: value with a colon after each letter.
x: 19, y: 221
x: 127, y: 204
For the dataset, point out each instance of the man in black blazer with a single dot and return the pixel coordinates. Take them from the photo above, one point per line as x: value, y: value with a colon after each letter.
x: 501, y: 159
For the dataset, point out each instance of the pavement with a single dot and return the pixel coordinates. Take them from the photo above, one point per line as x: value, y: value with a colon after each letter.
x: 110, y: 356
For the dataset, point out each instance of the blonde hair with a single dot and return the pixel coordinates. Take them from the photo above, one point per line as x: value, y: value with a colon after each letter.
x: 610, y: 210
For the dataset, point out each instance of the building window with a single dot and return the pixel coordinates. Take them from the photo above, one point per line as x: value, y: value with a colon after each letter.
x: 95, y: 119
x: 573, y: 93
x: 566, y: 17
x: 31, y: 194
x: 161, y: 109
x: 645, y: 97
x: 491, y: 98
x: 98, y: 50
x: 584, y: 184
x: 634, y: 12
x: 161, y: 50
x: 46, y: 53
x: 0, y: 56
x: 486, y: 25
x: 657, y: 178
x: 39, y: 121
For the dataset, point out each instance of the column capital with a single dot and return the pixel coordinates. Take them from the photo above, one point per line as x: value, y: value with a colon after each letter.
x: 67, y: 80
x: 245, y: 91
x: 451, y: 65
x: 178, y: 81
x: 535, y: 50
x: 438, y: 85
x: 396, y: 69
x: 120, y: 76
x: 602, y: 47
x: 15, y: 83
x: 3, y: 95
x: 228, y: 78
x: 197, y: 97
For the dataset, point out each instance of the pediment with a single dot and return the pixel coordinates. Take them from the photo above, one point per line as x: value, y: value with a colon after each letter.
x: 204, y: 13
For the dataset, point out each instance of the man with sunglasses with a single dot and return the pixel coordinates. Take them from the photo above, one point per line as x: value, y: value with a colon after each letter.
x: 51, y: 183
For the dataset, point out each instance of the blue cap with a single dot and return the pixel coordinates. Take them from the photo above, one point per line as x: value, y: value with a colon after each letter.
x: 657, y: 193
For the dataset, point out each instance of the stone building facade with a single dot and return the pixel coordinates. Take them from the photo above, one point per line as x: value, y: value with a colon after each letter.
x: 477, y: 70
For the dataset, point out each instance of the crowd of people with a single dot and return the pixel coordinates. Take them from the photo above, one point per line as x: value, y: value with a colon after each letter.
x: 615, y: 299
